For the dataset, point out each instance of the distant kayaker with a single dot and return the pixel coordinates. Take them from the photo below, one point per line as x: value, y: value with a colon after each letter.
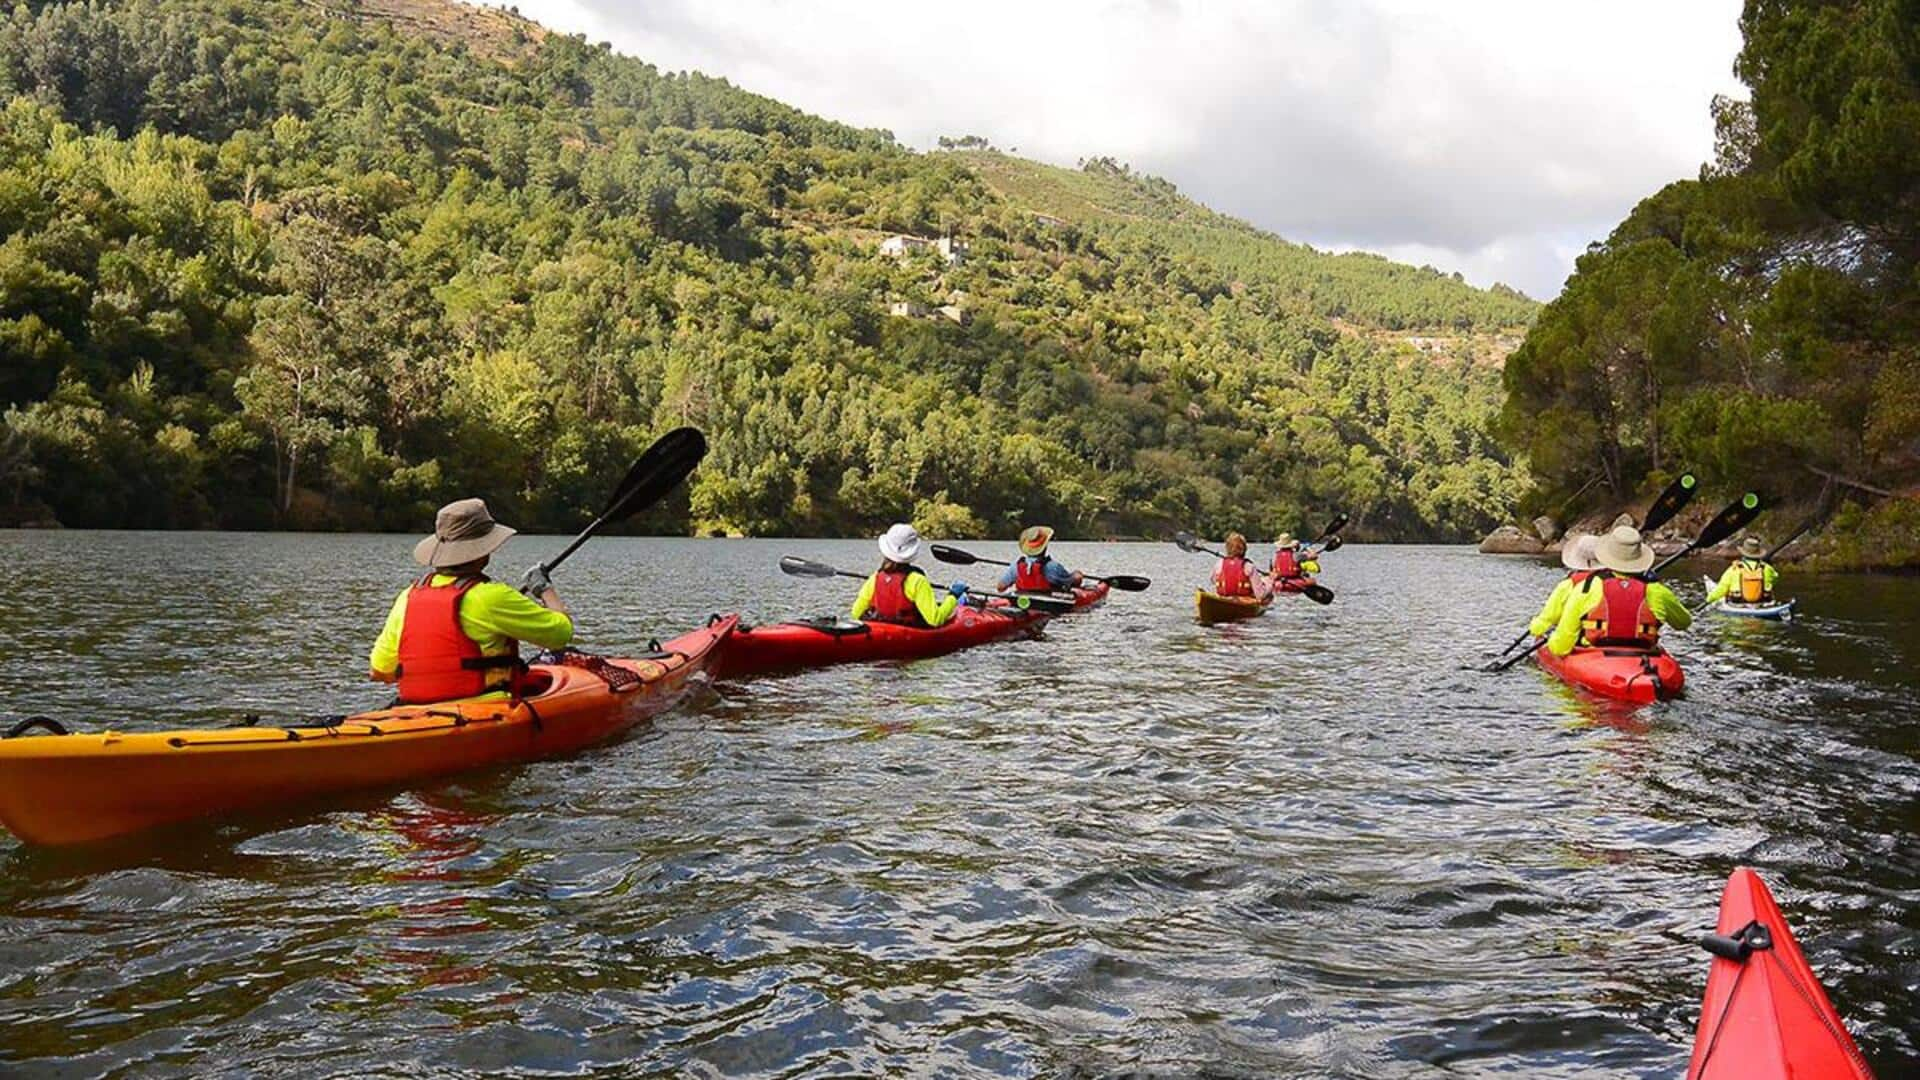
x: 1288, y: 566
x: 899, y: 591
x: 1615, y: 605
x: 1751, y: 578
x: 454, y: 633
x: 1577, y: 556
x: 1035, y: 571
x: 1235, y: 574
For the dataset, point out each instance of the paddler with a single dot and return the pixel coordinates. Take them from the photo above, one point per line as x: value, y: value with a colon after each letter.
x: 456, y: 634
x: 1616, y: 605
x: 1577, y: 556
x: 1751, y: 578
x: 899, y: 591
x: 1035, y: 571
x: 1288, y: 566
x: 1235, y: 574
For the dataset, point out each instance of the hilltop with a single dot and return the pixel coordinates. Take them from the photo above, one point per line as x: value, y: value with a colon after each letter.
x: 333, y: 264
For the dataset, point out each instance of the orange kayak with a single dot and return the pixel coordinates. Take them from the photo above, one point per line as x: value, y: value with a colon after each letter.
x: 70, y: 789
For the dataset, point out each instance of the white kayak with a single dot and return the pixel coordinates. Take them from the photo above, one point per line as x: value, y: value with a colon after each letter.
x: 1751, y: 611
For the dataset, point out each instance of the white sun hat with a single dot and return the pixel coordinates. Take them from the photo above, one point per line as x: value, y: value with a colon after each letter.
x: 1577, y: 553
x: 900, y: 544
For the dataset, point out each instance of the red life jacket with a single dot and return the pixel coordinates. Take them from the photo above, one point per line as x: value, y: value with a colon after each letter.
x: 890, y: 600
x: 438, y: 661
x: 1233, y: 579
x: 1623, y: 616
x: 1030, y: 574
x: 1286, y: 563
x: 1579, y: 577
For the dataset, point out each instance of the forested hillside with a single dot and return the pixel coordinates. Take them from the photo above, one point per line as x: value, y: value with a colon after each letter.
x: 327, y: 265
x: 1761, y: 322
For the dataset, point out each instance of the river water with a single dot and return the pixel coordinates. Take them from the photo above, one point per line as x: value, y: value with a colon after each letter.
x: 1309, y: 845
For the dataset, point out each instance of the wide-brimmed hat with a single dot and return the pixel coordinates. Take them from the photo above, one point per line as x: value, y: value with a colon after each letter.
x: 462, y: 532
x: 1577, y: 553
x: 1623, y: 551
x: 1286, y: 540
x: 900, y: 544
x: 1752, y: 548
x: 1035, y: 540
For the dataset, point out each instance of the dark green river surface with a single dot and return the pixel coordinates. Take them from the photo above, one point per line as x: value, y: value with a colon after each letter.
x: 1309, y: 845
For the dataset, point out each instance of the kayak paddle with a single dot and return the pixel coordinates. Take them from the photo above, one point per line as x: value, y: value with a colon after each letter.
x: 1665, y: 505
x: 1188, y: 542
x: 798, y: 567
x: 1123, y: 582
x: 670, y: 459
x: 1738, y: 515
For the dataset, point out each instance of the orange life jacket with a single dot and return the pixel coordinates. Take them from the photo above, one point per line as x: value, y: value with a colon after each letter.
x: 890, y: 600
x: 1622, y: 617
x: 1233, y: 579
x: 1753, y: 582
x: 1030, y: 574
x: 438, y: 661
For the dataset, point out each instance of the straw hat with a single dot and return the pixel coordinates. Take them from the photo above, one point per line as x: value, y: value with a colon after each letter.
x: 1623, y: 551
x: 1752, y: 548
x: 462, y: 532
x: 1035, y: 540
x: 900, y: 544
x: 1577, y: 553
x: 1286, y: 541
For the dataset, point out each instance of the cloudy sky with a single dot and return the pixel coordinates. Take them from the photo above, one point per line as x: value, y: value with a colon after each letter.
x: 1492, y: 137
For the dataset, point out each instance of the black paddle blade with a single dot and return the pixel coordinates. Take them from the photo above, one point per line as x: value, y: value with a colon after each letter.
x: 1319, y: 594
x: 953, y: 555
x: 1735, y: 517
x: 1670, y: 502
x: 1339, y: 522
x: 799, y: 567
x: 661, y: 469
x: 1186, y: 541
x: 1129, y: 582
x: 1052, y: 605
x: 1333, y: 544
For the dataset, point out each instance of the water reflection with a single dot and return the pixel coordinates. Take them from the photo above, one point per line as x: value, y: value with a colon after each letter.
x: 1311, y: 844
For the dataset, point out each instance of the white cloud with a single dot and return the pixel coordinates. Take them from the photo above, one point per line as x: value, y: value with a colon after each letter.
x: 1494, y: 137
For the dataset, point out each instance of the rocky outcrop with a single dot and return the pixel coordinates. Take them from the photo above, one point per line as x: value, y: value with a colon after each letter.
x: 1509, y: 540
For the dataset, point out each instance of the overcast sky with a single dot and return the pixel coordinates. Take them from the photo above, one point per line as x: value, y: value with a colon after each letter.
x: 1491, y: 137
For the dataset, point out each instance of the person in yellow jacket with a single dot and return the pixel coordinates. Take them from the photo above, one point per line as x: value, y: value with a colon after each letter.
x: 1576, y: 554
x: 1751, y: 578
x: 1616, y: 606
x: 454, y: 633
x: 899, y: 591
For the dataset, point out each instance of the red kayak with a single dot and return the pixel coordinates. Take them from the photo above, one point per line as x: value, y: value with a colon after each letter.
x: 817, y: 642
x: 1084, y: 597
x: 1293, y: 584
x: 1628, y: 674
x: 1766, y: 1016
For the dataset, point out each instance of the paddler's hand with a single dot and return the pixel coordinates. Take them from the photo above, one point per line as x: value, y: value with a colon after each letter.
x: 536, y: 584
x: 959, y: 591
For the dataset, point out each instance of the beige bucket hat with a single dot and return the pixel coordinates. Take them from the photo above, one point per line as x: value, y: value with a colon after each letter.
x: 1752, y: 548
x: 1623, y: 551
x: 462, y: 532
x: 1577, y: 553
